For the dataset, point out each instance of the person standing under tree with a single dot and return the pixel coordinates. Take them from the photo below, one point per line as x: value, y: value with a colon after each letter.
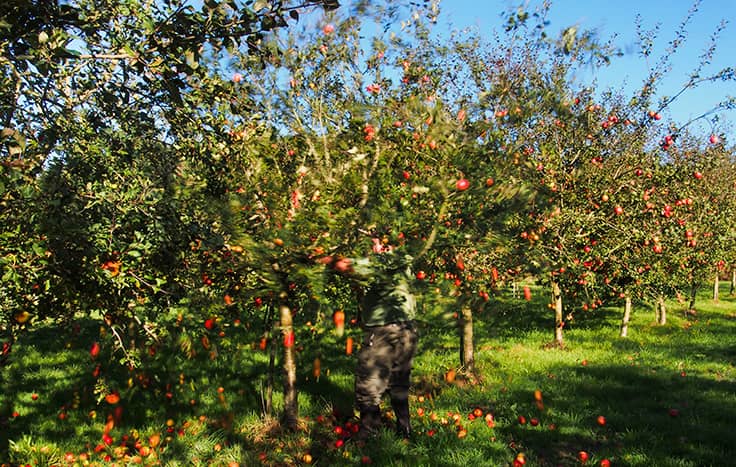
x: 390, y: 338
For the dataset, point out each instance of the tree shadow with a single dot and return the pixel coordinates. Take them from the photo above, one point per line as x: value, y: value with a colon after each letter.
x: 58, y: 369
x: 669, y: 420
x: 635, y: 399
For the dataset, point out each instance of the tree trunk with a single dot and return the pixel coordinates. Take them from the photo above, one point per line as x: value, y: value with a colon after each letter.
x: 290, y: 416
x: 733, y: 281
x: 661, y: 312
x: 626, y: 318
x: 559, y: 323
x: 271, y: 370
x: 467, y: 359
x: 268, y: 344
x: 716, y: 285
x: 693, y: 293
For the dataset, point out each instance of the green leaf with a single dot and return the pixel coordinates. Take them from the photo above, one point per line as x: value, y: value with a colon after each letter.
x: 72, y: 52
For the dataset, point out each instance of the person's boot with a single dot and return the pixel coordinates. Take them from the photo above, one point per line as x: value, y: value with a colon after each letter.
x: 401, y: 409
x: 370, y: 421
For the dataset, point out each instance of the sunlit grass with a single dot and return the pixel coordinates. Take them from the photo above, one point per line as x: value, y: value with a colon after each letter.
x: 667, y: 395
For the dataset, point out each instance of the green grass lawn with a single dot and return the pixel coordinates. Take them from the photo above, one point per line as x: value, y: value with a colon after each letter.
x: 667, y: 395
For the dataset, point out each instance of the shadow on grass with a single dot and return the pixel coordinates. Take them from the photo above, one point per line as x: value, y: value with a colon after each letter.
x: 50, y: 392
x: 650, y: 418
x: 635, y: 399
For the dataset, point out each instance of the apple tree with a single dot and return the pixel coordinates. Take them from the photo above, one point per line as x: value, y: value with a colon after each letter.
x: 703, y: 212
x: 552, y: 141
x: 104, y: 108
x: 336, y: 150
x: 590, y: 158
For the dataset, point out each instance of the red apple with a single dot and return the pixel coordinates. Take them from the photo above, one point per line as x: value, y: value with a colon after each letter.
x: 289, y: 339
x: 421, y: 275
x: 94, y: 351
x: 209, y: 323
x: 714, y: 139
x: 112, y: 398
x: 601, y: 420
x: 618, y: 210
x: 462, y: 184
x: 698, y: 175
x: 605, y: 463
x: 338, y: 318
x: 583, y: 457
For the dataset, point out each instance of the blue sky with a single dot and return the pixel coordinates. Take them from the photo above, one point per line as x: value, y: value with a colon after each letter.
x: 617, y: 17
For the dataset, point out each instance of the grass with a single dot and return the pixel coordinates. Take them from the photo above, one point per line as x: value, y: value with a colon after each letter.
x: 668, y: 395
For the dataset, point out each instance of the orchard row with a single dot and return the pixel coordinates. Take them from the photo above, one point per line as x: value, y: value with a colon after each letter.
x: 166, y: 180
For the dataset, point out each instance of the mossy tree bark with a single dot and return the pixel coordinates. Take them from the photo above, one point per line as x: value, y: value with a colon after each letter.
x: 716, y: 286
x: 465, y: 322
x: 559, y: 322
x: 290, y: 415
x: 626, y: 318
x: 660, y: 311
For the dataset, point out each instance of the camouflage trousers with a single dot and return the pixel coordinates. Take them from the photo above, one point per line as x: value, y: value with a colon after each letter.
x: 384, y: 363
